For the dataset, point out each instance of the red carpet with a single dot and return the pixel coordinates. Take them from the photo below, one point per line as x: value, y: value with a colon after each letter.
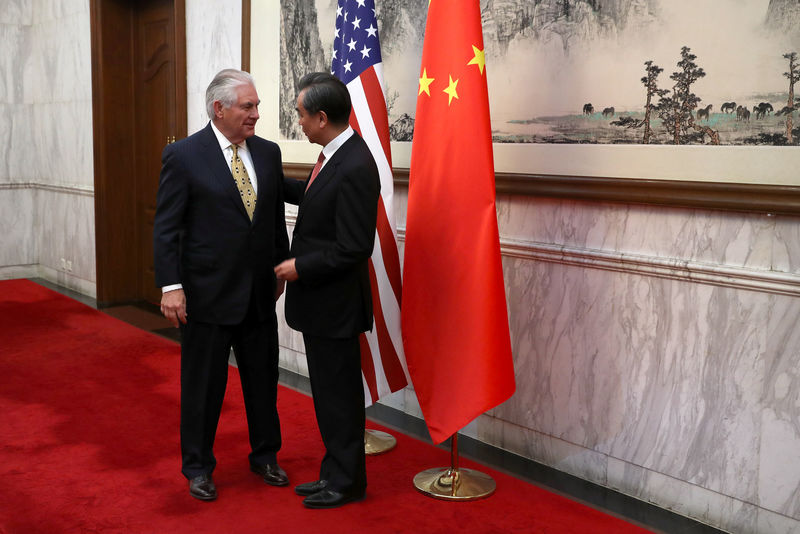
x: 89, y: 444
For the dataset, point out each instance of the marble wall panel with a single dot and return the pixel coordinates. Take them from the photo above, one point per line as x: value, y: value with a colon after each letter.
x: 707, y: 506
x: 772, y: 523
x: 16, y: 43
x: 62, y: 131
x: 23, y: 161
x: 6, y: 134
x: 666, y: 375
x: 786, y: 250
x: 16, y: 12
x: 213, y: 43
x: 779, y: 469
x: 18, y: 237
x: 65, y: 229
x: 733, y: 239
x: 60, y: 65
x: 49, y: 10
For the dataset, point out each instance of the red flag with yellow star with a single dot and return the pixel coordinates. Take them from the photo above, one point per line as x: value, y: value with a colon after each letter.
x: 454, y: 322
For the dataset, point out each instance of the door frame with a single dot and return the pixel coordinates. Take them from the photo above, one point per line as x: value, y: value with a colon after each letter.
x: 113, y: 119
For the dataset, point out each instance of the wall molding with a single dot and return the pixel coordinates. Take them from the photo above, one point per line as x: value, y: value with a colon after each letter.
x: 734, y: 277
x: 754, y: 198
x: 65, y: 189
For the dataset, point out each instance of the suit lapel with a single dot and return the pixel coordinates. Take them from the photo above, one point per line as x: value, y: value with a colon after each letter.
x: 220, y: 168
x: 323, y: 179
x: 328, y: 172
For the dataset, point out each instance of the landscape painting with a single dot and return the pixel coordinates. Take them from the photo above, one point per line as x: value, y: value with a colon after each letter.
x: 658, y: 72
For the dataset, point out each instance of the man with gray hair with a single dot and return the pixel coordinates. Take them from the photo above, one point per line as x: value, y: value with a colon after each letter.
x: 219, y: 231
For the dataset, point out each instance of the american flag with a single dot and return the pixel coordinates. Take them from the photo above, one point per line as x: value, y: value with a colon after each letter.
x: 357, y: 62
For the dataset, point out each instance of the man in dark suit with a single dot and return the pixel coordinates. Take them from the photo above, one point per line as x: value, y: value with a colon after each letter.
x: 219, y: 231
x: 328, y: 297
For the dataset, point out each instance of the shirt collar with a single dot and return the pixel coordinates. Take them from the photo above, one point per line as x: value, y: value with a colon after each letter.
x: 337, y: 142
x: 224, y: 144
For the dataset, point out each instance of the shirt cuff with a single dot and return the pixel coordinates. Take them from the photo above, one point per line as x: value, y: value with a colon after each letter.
x: 172, y: 287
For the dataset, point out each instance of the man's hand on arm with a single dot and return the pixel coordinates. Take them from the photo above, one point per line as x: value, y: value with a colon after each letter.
x: 286, y: 270
x: 173, y: 306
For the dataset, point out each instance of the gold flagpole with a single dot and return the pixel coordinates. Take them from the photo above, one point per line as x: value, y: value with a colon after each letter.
x: 454, y: 483
x: 378, y: 442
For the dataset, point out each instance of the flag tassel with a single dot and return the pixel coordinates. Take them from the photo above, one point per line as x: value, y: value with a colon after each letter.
x: 454, y: 483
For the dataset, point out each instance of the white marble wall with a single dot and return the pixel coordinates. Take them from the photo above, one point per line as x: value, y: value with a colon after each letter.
x: 213, y: 43
x: 46, y: 175
x: 656, y: 353
x: 46, y: 159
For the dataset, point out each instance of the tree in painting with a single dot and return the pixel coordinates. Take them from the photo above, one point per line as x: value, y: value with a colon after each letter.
x: 793, y: 74
x: 676, y: 110
x: 651, y: 87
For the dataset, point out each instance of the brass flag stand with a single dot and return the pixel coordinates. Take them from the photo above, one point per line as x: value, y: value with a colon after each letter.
x: 454, y: 483
x: 378, y: 442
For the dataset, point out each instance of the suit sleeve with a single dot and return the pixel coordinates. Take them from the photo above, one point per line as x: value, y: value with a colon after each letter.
x: 355, y: 219
x: 293, y: 190
x: 281, y: 236
x: 171, y: 202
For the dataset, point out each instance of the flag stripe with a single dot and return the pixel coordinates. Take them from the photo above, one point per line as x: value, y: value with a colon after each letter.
x: 381, y: 385
x: 391, y: 363
x: 376, y: 102
x: 390, y: 253
x: 390, y: 311
x: 367, y: 368
x: 370, y: 133
x: 354, y: 121
x: 357, y: 63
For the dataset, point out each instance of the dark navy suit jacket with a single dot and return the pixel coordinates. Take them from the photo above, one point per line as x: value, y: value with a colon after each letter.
x: 203, y: 237
x: 332, y: 243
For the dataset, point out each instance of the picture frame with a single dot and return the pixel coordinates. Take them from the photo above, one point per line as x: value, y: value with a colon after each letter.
x: 753, y: 178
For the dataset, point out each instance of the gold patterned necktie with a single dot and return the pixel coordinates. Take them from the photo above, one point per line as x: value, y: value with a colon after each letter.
x: 242, y: 180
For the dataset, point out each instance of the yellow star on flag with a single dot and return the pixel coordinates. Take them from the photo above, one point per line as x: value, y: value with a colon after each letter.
x: 451, y: 90
x: 425, y: 83
x: 479, y: 59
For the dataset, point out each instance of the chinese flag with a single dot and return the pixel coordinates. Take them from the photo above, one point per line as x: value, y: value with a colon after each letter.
x: 454, y: 322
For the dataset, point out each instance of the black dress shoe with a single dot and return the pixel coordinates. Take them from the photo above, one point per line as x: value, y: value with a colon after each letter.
x: 328, y: 498
x: 202, y: 487
x: 271, y: 473
x: 310, y: 488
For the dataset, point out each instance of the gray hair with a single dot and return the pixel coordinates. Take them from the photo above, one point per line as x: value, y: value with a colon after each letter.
x: 223, y: 88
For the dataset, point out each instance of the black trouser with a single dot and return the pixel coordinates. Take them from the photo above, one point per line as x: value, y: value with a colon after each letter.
x: 334, y: 367
x: 205, y: 349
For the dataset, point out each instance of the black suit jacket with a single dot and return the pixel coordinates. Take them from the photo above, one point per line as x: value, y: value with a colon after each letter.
x: 332, y: 242
x: 203, y: 237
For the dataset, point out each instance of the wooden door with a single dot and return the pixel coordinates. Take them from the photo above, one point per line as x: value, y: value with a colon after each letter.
x: 139, y: 103
x: 155, y: 83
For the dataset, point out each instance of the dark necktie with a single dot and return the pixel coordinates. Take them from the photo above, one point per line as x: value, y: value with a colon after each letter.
x: 315, y: 172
